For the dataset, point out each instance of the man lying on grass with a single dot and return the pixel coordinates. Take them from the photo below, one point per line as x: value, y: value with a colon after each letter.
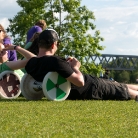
x: 83, y: 87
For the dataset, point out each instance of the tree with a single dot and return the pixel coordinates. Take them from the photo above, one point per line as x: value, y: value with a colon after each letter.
x: 76, y: 29
x: 123, y: 76
x: 134, y: 75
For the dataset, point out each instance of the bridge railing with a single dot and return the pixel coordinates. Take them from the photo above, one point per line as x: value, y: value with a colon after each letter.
x: 115, y: 62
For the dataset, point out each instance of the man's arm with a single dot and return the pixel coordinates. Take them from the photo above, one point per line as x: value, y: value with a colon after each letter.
x: 76, y: 77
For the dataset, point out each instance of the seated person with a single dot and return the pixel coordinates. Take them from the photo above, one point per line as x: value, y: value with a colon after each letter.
x: 5, y: 39
x: 2, y: 33
x: 4, y: 60
x: 37, y: 28
x: 13, y: 65
x: 33, y: 48
x: 12, y: 55
x: 28, y: 45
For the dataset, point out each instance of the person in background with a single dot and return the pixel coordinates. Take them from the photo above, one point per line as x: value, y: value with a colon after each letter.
x: 6, y: 40
x: 12, y: 55
x: 2, y: 33
x: 16, y: 66
x: 28, y: 45
x: 33, y: 48
x: 8, y: 59
x: 106, y: 74
x: 37, y: 28
x: 4, y: 61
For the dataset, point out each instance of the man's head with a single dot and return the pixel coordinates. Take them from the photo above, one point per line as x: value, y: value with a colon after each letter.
x: 42, y: 24
x: 47, y: 38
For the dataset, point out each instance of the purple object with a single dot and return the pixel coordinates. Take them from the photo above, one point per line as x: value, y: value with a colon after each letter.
x: 12, y: 55
x: 32, y: 30
x: 7, y: 40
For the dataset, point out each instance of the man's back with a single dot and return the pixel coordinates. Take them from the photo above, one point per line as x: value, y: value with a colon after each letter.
x: 38, y: 67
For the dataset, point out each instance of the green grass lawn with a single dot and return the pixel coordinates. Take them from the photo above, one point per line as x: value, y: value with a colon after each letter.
x: 20, y: 118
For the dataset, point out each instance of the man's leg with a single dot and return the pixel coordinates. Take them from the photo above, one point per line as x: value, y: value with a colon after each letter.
x: 132, y: 93
x: 133, y: 87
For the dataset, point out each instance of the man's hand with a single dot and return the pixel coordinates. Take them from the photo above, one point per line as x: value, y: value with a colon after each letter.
x: 76, y: 77
x: 74, y: 63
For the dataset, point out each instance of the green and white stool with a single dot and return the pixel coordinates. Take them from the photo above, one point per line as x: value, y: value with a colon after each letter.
x: 30, y: 88
x: 54, y: 87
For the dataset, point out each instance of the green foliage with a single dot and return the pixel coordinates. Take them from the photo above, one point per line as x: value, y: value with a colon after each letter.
x: 91, y: 68
x: 134, y: 76
x: 68, y: 119
x: 112, y: 75
x: 75, y: 27
x: 124, y: 77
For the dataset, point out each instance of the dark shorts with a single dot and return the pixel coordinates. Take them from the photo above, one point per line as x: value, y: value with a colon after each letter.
x: 109, y: 90
x: 99, y: 89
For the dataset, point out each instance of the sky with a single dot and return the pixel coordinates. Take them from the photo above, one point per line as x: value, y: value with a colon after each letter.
x: 117, y: 21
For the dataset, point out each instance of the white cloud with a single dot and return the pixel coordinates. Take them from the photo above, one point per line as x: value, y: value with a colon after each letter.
x: 118, y: 25
x: 117, y: 22
x: 120, y: 22
x: 8, y: 3
x: 129, y: 3
x: 4, y: 22
x: 132, y: 30
x: 9, y: 8
x: 128, y: 51
x: 116, y: 13
x: 106, y: 0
